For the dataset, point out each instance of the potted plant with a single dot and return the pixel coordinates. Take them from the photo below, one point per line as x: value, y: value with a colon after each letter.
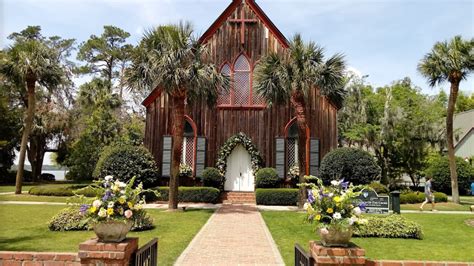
x: 113, y: 212
x: 332, y: 209
x: 185, y: 170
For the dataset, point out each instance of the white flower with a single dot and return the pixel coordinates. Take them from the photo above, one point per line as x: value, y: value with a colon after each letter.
x: 122, y: 191
x: 97, y: 203
x: 334, y: 182
x: 122, y: 184
x: 357, y: 211
x: 306, y: 206
x: 337, y: 216
x: 128, y: 214
x: 324, y: 231
x: 352, y: 220
x: 102, y: 212
x: 111, y: 204
x: 108, y: 178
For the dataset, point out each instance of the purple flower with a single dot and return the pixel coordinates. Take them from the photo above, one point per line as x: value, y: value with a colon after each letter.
x: 106, y: 196
x: 362, y: 206
x: 310, y: 196
x: 345, y: 185
x: 84, y: 208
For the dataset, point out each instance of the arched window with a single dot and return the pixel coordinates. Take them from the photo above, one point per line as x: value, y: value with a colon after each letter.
x: 292, y: 146
x: 189, y: 143
x: 240, y: 93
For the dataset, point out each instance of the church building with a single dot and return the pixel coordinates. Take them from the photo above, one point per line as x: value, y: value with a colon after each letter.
x: 241, y: 133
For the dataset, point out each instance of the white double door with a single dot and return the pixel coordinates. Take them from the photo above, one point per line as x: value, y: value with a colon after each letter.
x: 239, y: 176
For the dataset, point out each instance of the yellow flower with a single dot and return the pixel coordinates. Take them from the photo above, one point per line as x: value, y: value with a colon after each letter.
x: 317, y: 217
x: 110, y: 211
x: 329, y: 210
x: 130, y: 205
x: 121, y: 200
x: 337, y: 199
x: 92, y: 209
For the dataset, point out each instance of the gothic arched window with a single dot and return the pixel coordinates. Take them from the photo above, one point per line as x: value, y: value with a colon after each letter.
x: 240, y: 93
x: 189, y: 143
x: 292, y: 145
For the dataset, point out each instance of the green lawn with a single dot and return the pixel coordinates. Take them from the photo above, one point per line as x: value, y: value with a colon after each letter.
x: 12, y: 188
x: 442, y: 206
x: 446, y: 238
x: 4, y: 188
x: 27, y: 197
x: 24, y: 227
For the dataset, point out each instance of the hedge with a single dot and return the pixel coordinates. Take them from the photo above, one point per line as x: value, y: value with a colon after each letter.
x: 418, y: 197
x: 64, y: 191
x: 186, y: 194
x: 267, y: 178
x: 211, y: 177
x: 391, y: 226
x: 277, y: 196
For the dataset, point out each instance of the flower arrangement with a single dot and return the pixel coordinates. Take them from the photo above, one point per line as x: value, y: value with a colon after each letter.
x: 185, y: 170
x: 332, y: 207
x: 119, y: 202
x: 229, y: 145
x: 294, y: 172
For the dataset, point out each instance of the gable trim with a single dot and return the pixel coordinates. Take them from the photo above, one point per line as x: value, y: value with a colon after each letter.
x: 255, y: 8
x: 152, y: 96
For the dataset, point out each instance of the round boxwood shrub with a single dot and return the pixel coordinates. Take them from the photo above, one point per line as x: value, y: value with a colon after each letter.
x: 125, y: 161
x: 353, y: 165
x: 438, y: 168
x: 267, y: 178
x: 211, y: 177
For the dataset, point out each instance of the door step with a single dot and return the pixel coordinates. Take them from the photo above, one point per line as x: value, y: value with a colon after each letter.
x: 238, y: 197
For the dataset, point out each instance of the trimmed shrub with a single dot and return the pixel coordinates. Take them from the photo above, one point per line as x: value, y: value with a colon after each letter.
x: 353, y: 165
x: 267, y: 178
x: 439, y: 169
x: 186, y: 194
x: 64, y: 191
x: 379, y: 188
x: 419, y: 197
x: 391, y: 226
x: 125, y: 161
x: 68, y: 219
x: 277, y: 196
x: 211, y: 177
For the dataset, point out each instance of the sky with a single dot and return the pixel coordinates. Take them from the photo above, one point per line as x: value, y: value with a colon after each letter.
x: 384, y: 39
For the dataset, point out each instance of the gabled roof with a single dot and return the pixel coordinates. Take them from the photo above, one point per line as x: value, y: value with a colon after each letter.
x: 255, y: 8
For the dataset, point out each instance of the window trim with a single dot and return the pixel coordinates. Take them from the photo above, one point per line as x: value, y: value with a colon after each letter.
x: 193, y: 125
x: 250, y: 104
x: 287, y: 128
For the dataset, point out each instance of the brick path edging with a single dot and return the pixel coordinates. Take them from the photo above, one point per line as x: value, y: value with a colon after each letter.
x: 24, y: 258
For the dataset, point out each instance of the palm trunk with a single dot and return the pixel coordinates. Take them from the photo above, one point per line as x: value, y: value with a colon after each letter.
x: 298, y: 104
x: 30, y: 84
x: 35, y: 154
x: 449, y: 133
x: 178, y: 129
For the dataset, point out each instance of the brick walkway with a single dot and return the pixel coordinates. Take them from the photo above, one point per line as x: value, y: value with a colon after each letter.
x: 234, y: 235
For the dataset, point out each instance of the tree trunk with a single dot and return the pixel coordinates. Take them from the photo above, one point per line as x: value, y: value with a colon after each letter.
x: 298, y: 104
x: 36, y: 153
x: 449, y: 133
x: 30, y: 84
x: 177, y: 100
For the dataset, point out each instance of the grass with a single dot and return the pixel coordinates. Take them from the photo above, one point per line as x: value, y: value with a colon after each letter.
x: 12, y: 188
x: 442, y: 206
x: 446, y: 238
x: 27, y: 197
x: 22, y: 231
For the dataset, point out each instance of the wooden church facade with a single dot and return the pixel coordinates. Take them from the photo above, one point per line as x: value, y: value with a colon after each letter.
x: 238, y: 39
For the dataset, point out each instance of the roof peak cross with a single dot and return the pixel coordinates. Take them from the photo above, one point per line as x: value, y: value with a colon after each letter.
x: 242, y: 20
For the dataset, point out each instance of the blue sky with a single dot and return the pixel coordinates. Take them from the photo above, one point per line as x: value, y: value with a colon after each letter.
x: 384, y: 39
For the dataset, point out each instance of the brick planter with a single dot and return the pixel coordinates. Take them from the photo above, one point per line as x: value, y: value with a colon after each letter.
x: 93, y: 252
x: 352, y: 255
x: 38, y: 258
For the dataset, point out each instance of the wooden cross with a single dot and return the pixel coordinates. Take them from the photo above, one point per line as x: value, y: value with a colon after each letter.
x: 242, y: 20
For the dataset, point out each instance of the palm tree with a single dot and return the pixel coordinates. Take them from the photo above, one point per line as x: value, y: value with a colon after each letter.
x: 170, y: 58
x: 27, y: 62
x: 449, y: 61
x: 291, y: 77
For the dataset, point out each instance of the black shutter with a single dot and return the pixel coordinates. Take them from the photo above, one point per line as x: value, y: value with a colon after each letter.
x: 314, y: 157
x: 280, y: 157
x: 200, y: 155
x: 166, y: 161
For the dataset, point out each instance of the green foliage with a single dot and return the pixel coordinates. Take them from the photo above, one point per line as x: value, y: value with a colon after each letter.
x: 82, y: 157
x: 69, y: 219
x: 464, y: 102
x: 187, y: 194
x: 211, y: 177
x: 419, y: 197
x: 66, y: 190
x: 10, y: 124
x: 277, y: 196
x: 391, y: 226
x: 379, y: 188
x: 353, y: 165
x: 125, y: 161
x: 267, y: 178
x: 438, y: 168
